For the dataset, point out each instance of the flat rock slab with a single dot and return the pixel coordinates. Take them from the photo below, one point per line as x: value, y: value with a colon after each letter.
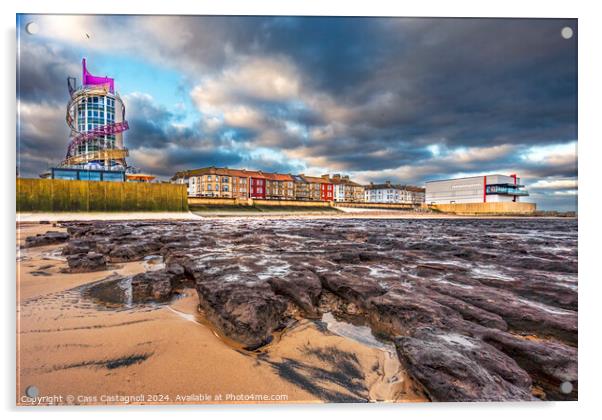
x: 456, y: 367
x: 49, y: 238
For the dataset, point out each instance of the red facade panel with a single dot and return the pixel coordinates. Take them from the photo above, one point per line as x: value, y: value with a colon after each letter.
x: 257, y: 187
x: 484, y: 189
x: 326, y: 192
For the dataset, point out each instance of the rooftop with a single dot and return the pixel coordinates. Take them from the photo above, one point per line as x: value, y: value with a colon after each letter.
x: 467, y: 177
x: 388, y: 185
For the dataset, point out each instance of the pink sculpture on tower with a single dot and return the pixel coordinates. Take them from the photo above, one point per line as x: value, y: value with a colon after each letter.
x: 90, y: 80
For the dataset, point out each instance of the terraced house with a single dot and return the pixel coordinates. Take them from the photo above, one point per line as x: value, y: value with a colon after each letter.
x: 319, y: 188
x: 279, y: 186
x: 301, y: 187
x: 347, y: 190
x: 216, y: 182
x: 390, y: 193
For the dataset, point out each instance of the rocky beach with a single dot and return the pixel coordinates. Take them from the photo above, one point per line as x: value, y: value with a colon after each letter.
x: 319, y: 310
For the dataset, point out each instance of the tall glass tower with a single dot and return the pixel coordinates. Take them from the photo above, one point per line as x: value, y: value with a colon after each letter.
x: 96, y: 117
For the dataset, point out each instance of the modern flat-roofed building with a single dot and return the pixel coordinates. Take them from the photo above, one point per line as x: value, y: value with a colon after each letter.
x: 475, y: 189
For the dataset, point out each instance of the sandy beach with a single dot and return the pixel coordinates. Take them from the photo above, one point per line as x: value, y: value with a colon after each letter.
x: 24, y: 218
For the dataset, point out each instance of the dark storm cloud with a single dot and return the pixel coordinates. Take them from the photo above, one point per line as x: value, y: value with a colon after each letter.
x: 567, y: 168
x: 149, y: 123
x: 186, y: 159
x: 471, y: 81
x: 42, y: 137
x: 42, y: 72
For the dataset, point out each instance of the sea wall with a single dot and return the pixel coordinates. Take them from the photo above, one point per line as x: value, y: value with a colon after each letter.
x: 57, y: 195
x: 486, y: 208
x: 292, y: 203
x: 391, y: 206
x: 208, y: 201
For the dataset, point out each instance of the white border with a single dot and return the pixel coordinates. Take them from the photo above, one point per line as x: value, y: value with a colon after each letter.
x: 590, y: 69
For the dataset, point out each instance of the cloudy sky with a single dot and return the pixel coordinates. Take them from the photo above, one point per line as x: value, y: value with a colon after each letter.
x: 405, y: 100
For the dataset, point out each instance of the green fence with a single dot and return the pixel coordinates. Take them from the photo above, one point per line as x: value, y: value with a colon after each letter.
x: 55, y: 195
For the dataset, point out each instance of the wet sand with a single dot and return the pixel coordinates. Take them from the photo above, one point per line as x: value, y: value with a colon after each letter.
x: 72, y: 344
x: 341, y: 213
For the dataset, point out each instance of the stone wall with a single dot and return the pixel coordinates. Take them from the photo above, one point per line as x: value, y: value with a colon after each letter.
x: 392, y: 206
x: 208, y: 201
x: 486, y: 208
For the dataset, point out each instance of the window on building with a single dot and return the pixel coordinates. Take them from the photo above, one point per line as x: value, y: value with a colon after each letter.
x: 225, y: 187
x: 113, y: 176
x: 89, y: 175
x: 60, y: 174
x: 208, y: 187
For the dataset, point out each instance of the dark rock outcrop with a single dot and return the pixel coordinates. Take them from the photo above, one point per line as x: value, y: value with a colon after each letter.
x: 79, y: 246
x: 134, y: 251
x: 153, y: 285
x: 549, y: 363
x: 518, y: 313
x: 455, y: 367
x: 49, y: 238
x: 303, y: 287
x: 396, y: 313
x: 84, y: 263
x: 247, y: 313
x: 351, y: 288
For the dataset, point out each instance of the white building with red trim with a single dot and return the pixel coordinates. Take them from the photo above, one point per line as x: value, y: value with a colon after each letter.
x: 475, y: 189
